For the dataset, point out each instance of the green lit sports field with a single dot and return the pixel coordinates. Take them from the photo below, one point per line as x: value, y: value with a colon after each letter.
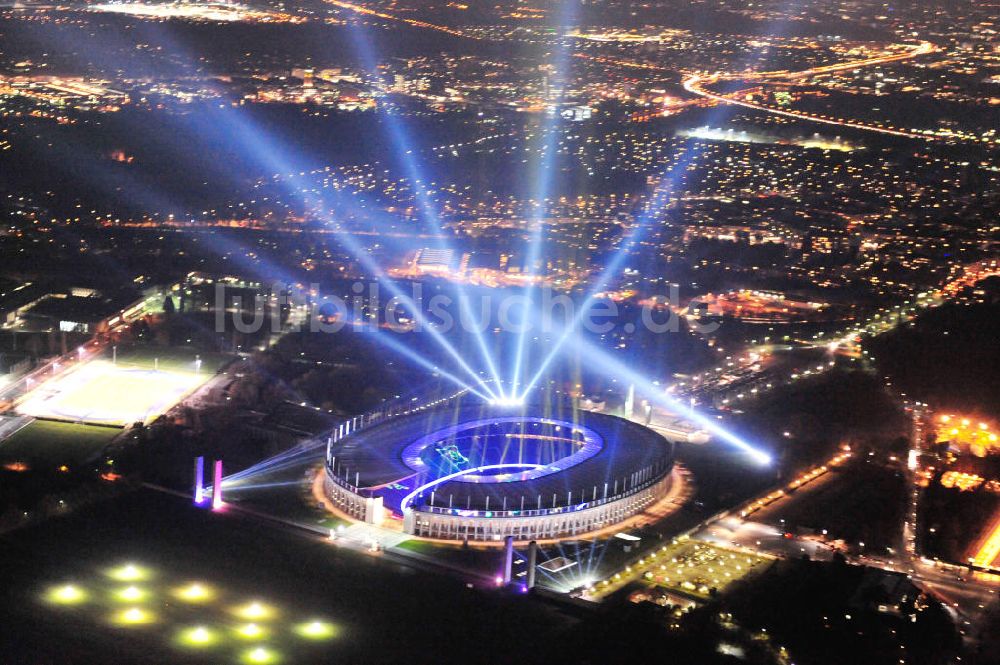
x: 46, y: 444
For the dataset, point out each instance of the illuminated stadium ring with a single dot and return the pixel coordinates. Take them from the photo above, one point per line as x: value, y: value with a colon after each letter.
x: 481, y: 471
x: 408, y: 499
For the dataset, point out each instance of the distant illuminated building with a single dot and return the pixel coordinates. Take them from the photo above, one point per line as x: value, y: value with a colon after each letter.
x: 305, y: 74
x: 577, y: 113
x: 435, y: 260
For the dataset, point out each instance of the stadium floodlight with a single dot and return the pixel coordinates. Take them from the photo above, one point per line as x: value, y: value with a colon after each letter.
x: 611, y: 269
x: 129, y: 572
x: 131, y: 594
x: 395, y: 345
x: 669, y: 182
x: 269, y: 153
x: 133, y: 616
x: 251, y: 631
x: 399, y: 136
x: 549, y: 133
x: 614, y: 367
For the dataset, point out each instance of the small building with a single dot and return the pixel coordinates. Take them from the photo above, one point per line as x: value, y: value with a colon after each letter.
x: 887, y: 592
x: 15, y: 299
x: 89, y: 312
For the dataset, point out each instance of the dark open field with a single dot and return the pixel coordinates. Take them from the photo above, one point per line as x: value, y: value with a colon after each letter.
x: 380, y: 610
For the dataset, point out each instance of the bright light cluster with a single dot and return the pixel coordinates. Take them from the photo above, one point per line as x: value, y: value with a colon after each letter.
x: 966, y: 433
x: 189, y: 613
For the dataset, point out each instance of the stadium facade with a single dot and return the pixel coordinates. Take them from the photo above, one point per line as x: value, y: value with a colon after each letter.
x: 482, y: 472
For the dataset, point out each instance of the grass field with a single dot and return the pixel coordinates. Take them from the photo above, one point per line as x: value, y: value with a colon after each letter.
x: 170, y: 359
x: 45, y: 444
x: 102, y: 392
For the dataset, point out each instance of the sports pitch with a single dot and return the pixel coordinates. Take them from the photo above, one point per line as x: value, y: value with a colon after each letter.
x: 102, y: 392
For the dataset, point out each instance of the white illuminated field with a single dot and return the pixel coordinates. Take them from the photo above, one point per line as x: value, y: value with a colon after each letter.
x: 101, y: 392
x: 171, y: 10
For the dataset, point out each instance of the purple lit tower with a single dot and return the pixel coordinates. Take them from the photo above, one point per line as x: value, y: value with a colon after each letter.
x: 217, y: 486
x: 508, y: 558
x: 199, y: 480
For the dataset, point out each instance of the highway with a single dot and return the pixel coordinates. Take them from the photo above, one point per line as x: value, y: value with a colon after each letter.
x: 923, y: 48
x: 694, y: 84
x: 697, y: 84
x: 365, y: 11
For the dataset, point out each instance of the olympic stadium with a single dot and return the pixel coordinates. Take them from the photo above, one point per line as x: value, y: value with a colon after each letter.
x: 486, y: 471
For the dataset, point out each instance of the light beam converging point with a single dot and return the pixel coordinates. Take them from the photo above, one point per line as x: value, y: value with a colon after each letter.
x: 507, y: 402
